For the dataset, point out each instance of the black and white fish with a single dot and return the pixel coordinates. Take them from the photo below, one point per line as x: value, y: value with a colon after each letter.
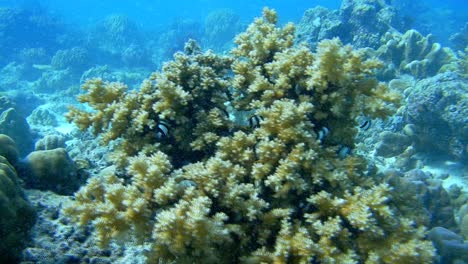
x: 365, y: 124
x: 254, y: 121
x: 162, y: 130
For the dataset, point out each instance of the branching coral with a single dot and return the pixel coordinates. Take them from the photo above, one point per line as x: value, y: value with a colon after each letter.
x: 188, y: 95
x: 218, y: 191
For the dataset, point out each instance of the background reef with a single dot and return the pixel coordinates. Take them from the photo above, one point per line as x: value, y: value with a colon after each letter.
x: 209, y: 138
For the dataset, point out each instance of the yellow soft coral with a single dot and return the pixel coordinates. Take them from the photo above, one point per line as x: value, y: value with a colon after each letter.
x: 181, y: 233
x: 203, y: 185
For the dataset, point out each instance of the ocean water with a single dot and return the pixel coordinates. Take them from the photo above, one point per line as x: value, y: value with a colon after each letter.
x: 140, y: 132
x: 149, y: 13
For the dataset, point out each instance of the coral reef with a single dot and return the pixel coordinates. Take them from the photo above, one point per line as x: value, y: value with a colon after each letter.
x: 76, y: 59
x: 52, y: 81
x: 50, y: 142
x: 201, y: 185
x: 16, y: 127
x: 435, y: 206
x: 33, y: 56
x: 8, y: 149
x: 437, y: 109
x: 23, y: 101
x: 463, y: 63
x: 414, y: 54
x: 114, y: 34
x: 460, y: 39
x: 17, y: 215
x: 221, y: 26
x: 410, y: 53
x: 12, y: 76
x: 357, y: 15
x: 25, y: 28
x: 55, y: 240
x: 449, y: 245
x: 173, y: 38
x: 351, y: 23
x: 50, y: 170
x: 42, y: 117
x: 135, y: 56
x: 319, y: 23
x: 463, y: 220
x: 392, y: 144
x: 130, y: 77
x: 193, y: 83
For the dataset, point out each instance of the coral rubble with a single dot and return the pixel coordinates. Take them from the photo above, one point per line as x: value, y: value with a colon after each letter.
x: 223, y: 162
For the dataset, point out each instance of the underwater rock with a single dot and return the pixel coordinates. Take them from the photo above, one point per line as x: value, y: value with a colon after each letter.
x: 350, y: 23
x: 31, y: 56
x: 6, y: 103
x: 460, y: 39
x: 12, y: 76
x: 8, y: 149
x: 449, y: 245
x: 52, y: 81
x: 76, y: 59
x: 319, y: 23
x: 173, y: 38
x: 221, y: 26
x: 114, y: 34
x: 432, y: 204
x: 42, y: 117
x: 463, y: 63
x: 88, y: 153
x: 104, y: 72
x: 50, y: 170
x: 357, y: 15
x: 16, y: 127
x: 392, y: 144
x: 23, y: 101
x: 26, y: 27
x: 54, y: 240
x: 438, y: 109
x: 464, y: 226
x: 17, y: 215
x: 50, y: 142
x: 135, y: 56
x: 415, y: 54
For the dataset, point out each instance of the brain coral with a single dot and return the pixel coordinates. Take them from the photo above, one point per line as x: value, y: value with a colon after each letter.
x: 201, y: 185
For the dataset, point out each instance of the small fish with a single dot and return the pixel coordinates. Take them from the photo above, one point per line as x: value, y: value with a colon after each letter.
x: 365, y: 125
x: 254, y: 121
x: 224, y: 111
x: 322, y: 133
x: 162, y: 130
x: 344, y: 151
x: 42, y: 67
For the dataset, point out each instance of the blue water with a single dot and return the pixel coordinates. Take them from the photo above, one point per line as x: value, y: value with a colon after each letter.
x: 151, y: 13
x: 445, y: 16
